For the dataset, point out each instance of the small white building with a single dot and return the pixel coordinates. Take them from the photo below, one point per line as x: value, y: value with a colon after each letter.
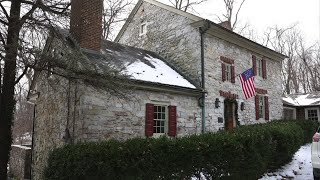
x: 302, y: 106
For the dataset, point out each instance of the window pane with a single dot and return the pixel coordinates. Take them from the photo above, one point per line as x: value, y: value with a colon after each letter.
x: 228, y: 72
x: 312, y: 114
x: 159, y: 119
x: 162, y: 130
x: 261, y: 107
x: 158, y: 130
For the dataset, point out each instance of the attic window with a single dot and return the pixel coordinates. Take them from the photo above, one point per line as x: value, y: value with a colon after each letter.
x: 143, y: 29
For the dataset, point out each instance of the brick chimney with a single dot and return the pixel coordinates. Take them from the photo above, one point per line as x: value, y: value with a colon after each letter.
x: 86, y: 23
x: 226, y: 24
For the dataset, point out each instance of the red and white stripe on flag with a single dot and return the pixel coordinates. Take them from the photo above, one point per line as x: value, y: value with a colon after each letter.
x: 247, y: 83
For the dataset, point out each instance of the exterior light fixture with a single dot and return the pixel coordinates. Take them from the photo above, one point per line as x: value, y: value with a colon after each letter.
x: 217, y: 103
x: 242, y: 106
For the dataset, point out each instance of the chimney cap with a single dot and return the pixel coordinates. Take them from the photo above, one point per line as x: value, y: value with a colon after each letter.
x: 226, y: 24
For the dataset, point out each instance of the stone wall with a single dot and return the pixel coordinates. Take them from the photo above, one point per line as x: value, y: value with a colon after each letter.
x: 55, y: 111
x: 92, y: 114
x: 168, y: 34
x: 172, y: 36
x: 104, y: 116
x: 214, y: 48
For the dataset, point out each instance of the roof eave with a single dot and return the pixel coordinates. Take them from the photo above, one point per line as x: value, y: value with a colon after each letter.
x: 232, y: 37
x: 158, y: 87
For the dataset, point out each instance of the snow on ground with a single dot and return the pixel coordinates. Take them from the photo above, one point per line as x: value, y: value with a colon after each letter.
x: 300, y: 168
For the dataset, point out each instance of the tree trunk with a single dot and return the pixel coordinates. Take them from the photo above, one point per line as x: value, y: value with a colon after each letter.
x: 7, y: 102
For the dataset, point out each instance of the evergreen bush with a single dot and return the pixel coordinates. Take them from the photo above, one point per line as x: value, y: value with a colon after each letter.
x: 244, y: 153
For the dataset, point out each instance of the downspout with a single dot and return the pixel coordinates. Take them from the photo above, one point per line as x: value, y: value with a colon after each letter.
x: 202, y: 31
x: 32, y: 140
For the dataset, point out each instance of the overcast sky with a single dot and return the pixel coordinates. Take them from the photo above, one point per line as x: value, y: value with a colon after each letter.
x: 262, y: 14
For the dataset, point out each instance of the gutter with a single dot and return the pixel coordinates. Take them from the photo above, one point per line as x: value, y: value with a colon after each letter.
x: 202, y: 99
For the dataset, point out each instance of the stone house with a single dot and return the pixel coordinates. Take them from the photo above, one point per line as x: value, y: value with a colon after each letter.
x: 302, y: 106
x: 88, y: 89
x: 211, y: 55
x: 175, y: 76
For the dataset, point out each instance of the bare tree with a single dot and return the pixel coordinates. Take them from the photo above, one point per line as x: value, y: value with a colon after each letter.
x: 15, y: 18
x: 22, y: 129
x: 300, y: 71
x: 185, y: 5
x: 232, y: 13
x: 115, y: 14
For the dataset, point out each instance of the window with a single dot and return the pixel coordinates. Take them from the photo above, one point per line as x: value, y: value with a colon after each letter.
x: 259, y: 67
x: 228, y: 72
x: 289, y: 113
x: 160, y: 119
x: 261, y: 107
x: 312, y: 114
x: 143, y: 29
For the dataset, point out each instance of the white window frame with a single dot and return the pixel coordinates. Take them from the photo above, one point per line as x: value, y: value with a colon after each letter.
x: 228, y: 71
x: 143, y: 29
x: 262, y: 107
x: 259, y: 67
x: 306, y: 112
x: 166, y: 120
x: 294, y: 111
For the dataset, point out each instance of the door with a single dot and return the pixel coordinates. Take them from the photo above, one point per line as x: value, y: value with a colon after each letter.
x: 229, y: 115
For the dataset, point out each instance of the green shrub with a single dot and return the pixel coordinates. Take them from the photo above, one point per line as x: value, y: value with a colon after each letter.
x: 245, y: 153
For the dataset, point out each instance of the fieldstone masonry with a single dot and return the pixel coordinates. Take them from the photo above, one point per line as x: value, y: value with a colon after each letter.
x: 92, y: 114
x: 172, y: 35
x: 168, y: 34
x: 70, y: 111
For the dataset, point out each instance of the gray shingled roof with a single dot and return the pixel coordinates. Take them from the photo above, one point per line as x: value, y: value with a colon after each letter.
x: 138, y: 64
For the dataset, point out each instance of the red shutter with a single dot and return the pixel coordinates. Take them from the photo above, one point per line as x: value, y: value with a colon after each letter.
x: 223, y: 67
x: 254, y: 64
x: 266, y: 101
x: 149, y: 119
x: 257, y: 107
x: 233, y: 80
x: 172, y: 121
x: 264, y: 69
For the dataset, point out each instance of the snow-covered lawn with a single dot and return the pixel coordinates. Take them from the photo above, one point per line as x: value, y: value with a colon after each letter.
x: 300, y: 168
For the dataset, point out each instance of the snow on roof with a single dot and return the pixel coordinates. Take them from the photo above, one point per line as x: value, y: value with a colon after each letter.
x: 309, y: 99
x: 159, y: 73
x: 139, y: 64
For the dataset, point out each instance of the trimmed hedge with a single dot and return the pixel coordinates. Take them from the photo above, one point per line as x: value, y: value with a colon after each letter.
x: 245, y: 153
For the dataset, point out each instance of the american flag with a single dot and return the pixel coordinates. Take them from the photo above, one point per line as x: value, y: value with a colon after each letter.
x: 247, y: 83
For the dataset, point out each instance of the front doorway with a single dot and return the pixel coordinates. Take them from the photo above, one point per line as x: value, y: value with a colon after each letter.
x: 230, y: 113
